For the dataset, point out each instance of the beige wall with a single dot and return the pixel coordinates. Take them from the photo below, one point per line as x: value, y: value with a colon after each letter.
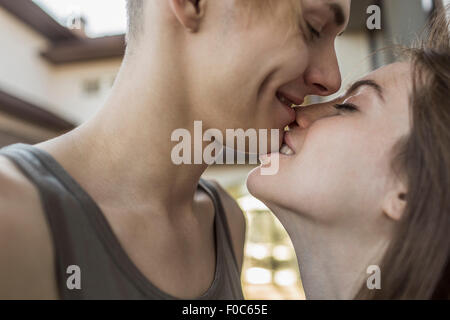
x: 22, y: 71
x: 67, y: 87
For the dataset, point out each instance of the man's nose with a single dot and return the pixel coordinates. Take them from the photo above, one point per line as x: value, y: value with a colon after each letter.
x: 306, y: 116
x: 324, y: 77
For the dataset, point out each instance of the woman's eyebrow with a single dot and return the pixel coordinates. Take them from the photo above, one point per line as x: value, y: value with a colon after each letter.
x: 370, y: 83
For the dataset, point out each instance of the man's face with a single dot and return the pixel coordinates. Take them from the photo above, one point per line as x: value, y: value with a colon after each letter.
x: 248, y: 64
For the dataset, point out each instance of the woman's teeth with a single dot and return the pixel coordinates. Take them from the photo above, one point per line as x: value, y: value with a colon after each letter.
x: 266, y: 159
x: 286, y: 150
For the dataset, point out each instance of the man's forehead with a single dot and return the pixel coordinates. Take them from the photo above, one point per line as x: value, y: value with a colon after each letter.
x: 344, y: 4
x: 338, y: 10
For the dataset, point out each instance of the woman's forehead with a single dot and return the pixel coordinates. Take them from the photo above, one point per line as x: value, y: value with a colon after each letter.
x: 393, y: 77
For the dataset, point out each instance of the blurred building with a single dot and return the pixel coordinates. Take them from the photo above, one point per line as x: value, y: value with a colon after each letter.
x: 53, y: 78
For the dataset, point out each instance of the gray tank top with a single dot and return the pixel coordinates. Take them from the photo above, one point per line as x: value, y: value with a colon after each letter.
x: 82, y: 236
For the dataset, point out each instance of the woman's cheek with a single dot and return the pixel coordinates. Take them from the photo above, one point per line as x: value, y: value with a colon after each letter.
x: 328, y: 162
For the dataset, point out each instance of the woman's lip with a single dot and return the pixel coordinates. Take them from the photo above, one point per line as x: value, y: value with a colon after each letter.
x: 288, y: 142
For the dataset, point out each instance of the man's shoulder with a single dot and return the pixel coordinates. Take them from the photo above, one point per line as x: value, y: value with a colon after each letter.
x: 236, y: 220
x: 17, y: 193
x: 13, y: 183
x: 24, y: 235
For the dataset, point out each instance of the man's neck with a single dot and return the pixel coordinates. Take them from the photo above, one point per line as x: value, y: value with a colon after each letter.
x: 122, y: 155
x: 332, y: 262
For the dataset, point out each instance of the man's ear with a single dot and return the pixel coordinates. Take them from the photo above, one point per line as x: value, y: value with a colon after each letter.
x: 189, y: 12
x: 394, y: 202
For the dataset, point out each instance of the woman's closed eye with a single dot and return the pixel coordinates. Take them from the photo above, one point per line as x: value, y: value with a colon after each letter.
x: 348, y: 107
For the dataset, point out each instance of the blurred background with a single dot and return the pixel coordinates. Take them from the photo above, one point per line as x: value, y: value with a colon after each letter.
x: 59, y: 60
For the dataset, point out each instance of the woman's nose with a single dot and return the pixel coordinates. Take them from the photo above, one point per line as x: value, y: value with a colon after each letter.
x: 308, y: 115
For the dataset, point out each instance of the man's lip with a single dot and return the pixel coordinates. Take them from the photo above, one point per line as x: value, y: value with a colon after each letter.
x: 296, y: 100
x: 290, y: 111
x: 292, y: 114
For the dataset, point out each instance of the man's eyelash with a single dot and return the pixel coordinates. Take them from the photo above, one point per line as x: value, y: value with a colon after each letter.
x: 313, y: 31
x: 346, y: 107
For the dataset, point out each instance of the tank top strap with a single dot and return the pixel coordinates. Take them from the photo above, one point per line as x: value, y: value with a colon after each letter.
x: 221, y: 215
x: 35, y: 168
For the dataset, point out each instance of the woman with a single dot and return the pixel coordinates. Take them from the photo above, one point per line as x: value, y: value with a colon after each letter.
x: 366, y: 182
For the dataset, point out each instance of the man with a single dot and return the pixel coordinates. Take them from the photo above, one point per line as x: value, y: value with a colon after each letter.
x: 103, y: 212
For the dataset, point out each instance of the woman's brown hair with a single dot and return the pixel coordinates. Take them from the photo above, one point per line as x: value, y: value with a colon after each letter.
x: 416, y: 263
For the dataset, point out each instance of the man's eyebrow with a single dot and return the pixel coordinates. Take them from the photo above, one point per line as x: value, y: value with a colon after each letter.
x: 339, y: 16
x: 370, y: 83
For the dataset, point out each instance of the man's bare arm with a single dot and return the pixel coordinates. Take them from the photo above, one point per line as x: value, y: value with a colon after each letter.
x: 26, y: 255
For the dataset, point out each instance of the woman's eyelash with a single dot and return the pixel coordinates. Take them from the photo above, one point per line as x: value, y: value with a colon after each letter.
x: 346, y: 107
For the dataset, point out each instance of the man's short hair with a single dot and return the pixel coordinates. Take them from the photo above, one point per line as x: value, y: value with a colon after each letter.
x: 135, y: 10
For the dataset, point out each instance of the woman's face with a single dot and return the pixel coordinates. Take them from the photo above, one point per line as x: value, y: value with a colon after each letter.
x: 341, y: 167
